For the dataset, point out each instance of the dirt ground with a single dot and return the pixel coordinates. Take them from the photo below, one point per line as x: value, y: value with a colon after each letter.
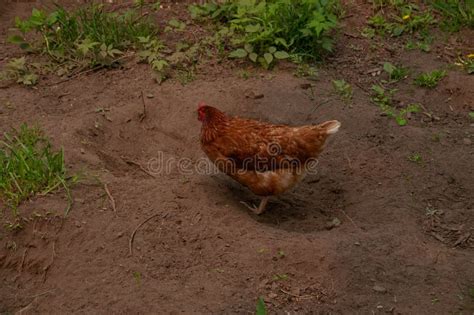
x: 405, y: 244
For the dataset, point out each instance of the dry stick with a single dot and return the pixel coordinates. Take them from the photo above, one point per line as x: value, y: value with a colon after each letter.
x: 111, y: 198
x: 353, y: 223
x: 143, y: 115
x: 23, y: 260
x: 139, y: 165
x: 132, y: 237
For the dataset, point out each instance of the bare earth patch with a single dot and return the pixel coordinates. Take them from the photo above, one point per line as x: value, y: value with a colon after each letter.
x: 404, y: 245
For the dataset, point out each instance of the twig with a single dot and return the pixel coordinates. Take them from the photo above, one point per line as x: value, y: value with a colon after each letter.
x: 46, y: 268
x: 139, y: 165
x: 352, y: 221
x: 143, y: 115
x: 23, y: 259
x: 26, y: 308
x: 111, y: 198
x: 132, y: 237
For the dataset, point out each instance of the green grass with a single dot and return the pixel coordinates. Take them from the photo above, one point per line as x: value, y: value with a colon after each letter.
x: 266, y: 31
x: 430, y: 79
x: 29, y: 166
x: 455, y: 13
x: 395, y: 73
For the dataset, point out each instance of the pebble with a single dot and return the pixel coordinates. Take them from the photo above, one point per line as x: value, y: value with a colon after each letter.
x: 379, y: 289
x: 150, y: 95
x: 467, y: 141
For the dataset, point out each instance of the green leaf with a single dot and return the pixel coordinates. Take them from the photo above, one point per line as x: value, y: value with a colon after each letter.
x: 281, y: 55
x: 261, y: 308
x: 268, y: 58
x: 272, y: 49
x: 248, y: 48
x: 388, y: 67
x: 238, y: 53
x: 471, y: 114
x: 252, y: 28
x: 253, y: 56
x: 401, y: 121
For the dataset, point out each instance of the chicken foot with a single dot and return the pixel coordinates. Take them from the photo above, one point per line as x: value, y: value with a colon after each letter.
x: 260, y: 208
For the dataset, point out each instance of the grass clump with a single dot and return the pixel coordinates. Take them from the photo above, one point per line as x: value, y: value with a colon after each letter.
x: 29, y: 166
x: 383, y: 98
x: 87, y: 37
x: 264, y: 31
x: 456, y: 14
x: 395, y: 73
x: 430, y: 79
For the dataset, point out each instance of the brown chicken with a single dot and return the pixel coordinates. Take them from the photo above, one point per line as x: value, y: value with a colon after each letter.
x: 268, y: 159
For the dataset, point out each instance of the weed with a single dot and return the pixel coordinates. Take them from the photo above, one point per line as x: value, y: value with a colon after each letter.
x: 408, y: 18
x: 343, y: 88
x: 304, y: 70
x: 87, y: 37
x: 176, y: 25
x: 455, y: 14
x: 430, y: 79
x: 19, y: 71
x: 471, y: 115
x: 383, y: 99
x: 261, y: 309
x: 151, y: 53
x: 29, y: 166
x: 395, y: 73
x: 416, y: 158
x: 266, y: 31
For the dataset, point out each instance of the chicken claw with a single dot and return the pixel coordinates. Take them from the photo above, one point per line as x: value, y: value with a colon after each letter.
x: 261, y: 207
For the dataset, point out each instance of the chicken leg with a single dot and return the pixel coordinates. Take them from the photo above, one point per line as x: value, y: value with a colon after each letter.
x: 260, y: 208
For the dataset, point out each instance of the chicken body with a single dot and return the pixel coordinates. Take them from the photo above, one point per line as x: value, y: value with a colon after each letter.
x: 268, y: 159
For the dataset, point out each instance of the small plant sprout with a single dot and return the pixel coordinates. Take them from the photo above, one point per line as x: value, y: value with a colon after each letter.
x: 416, y: 158
x: 343, y: 88
x: 430, y: 79
x: 261, y: 308
x: 395, y: 73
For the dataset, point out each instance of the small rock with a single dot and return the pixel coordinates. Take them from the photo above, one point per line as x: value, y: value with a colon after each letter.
x: 467, y: 141
x: 379, y: 289
x: 254, y: 95
x: 119, y: 235
x: 82, y: 151
x: 334, y: 223
x: 272, y: 295
x: 150, y: 96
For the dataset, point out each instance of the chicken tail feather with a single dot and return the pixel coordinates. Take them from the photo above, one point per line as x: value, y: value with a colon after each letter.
x: 331, y: 127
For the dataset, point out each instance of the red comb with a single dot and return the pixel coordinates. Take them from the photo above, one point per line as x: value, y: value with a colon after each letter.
x: 201, y: 104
